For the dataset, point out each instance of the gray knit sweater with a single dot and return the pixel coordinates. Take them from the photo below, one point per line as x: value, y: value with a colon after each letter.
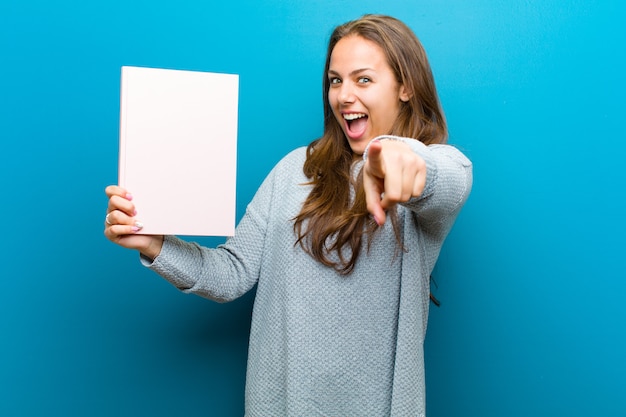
x: 322, y: 344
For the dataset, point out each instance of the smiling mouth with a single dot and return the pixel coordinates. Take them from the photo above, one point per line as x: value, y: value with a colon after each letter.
x: 356, y: 123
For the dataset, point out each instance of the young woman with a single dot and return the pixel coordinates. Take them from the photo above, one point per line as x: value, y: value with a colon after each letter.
x: 340, y: 239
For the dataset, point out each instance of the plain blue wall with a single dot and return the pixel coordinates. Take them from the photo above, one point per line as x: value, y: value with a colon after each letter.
x: 532, y: 278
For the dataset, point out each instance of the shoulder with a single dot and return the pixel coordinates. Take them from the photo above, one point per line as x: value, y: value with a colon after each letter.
x: 283, y: 182
x: 295, y: 157
x: 291, y: 163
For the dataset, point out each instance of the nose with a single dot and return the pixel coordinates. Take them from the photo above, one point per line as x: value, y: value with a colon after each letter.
x: 346, y: 93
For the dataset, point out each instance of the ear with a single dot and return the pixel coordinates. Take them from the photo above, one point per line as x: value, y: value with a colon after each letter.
x: 404, y: 94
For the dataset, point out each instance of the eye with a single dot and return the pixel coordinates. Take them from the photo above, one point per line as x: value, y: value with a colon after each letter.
x: 334, y: 80
x: 364, y: 80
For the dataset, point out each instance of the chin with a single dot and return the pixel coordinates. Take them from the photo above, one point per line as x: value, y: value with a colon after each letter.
x: 358, y: 149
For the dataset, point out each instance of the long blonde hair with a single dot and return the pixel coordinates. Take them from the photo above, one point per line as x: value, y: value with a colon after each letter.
x: 331, y: 221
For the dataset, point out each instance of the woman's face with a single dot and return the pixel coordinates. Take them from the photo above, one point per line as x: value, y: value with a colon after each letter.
x: 363, y: 93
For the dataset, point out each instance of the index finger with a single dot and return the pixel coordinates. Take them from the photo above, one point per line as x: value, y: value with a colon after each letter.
x: 375, y: 160
x: 112, y: 190
x: 120, y: 199
x: 372, y: 200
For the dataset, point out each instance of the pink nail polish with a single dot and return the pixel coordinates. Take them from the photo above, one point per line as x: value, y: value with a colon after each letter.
x: 136, y: 229
x: 129, y: 196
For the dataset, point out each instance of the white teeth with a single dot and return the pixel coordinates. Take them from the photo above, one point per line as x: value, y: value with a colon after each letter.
x: 353, y: 116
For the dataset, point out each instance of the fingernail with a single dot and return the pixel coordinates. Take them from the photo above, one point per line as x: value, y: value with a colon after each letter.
x: 134, y: 212
x: 135, y: 229
x: 376, y: 220
x: 138, y: 225
x: 129, y: 196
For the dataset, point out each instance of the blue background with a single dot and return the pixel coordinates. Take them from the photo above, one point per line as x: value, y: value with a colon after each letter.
x: 532, y: 278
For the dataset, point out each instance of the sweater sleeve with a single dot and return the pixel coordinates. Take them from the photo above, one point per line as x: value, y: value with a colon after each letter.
x: 228, y: 271
x: 448, y: 184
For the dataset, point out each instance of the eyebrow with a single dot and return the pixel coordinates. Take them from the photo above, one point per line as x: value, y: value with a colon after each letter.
x: 352, y: 73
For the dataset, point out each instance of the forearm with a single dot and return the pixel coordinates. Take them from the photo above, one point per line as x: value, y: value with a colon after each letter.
x: 216, y: 274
